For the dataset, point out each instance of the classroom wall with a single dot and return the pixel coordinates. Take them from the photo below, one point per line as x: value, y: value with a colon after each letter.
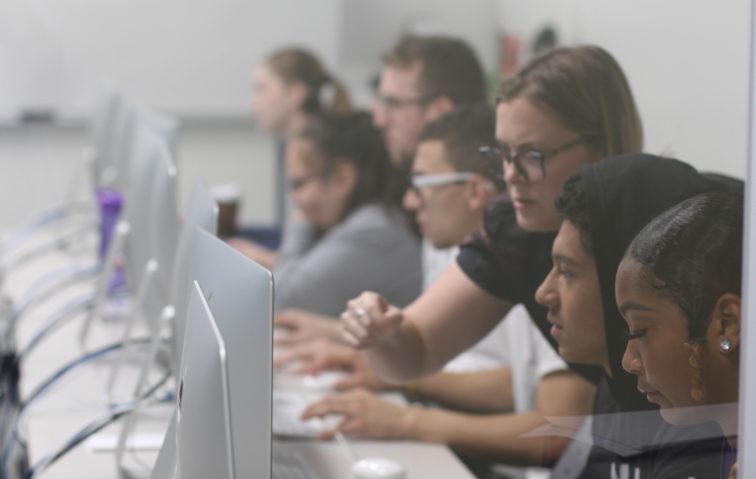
x: 38, y: 164
x: 195, y: 58
x: 687, y: 63
x: 189, y: 57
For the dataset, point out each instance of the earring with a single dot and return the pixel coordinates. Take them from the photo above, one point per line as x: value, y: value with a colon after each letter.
x: 696, y: 377
x: 725, y: 345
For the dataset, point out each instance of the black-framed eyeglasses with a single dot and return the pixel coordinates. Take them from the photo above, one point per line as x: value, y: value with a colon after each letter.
x: 529, y: 162
x: 391, y: 102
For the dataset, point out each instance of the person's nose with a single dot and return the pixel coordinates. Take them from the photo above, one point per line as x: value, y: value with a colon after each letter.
x: 380, y: 115
x: 545, y: 295
x: 631, y: 360
x: 512, y: 174
x: 412, y: 200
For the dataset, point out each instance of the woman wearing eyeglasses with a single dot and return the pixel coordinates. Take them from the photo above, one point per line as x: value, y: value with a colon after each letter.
x: 568, y: 108
x: 352, y: 234
x: 291, y: 87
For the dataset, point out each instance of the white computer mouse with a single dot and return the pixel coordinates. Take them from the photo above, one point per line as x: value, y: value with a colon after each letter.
x: 378, y: 468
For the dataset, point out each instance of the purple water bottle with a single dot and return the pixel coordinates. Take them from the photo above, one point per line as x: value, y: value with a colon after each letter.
x: 111, y: 203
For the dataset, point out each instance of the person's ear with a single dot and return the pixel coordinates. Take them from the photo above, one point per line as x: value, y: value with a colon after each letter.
x: 725, y: 322
x: 438, y: 107
x: 479, y: 191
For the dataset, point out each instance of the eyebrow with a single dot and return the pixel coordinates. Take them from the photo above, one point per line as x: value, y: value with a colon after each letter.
x: 560, y: 258
x: 531, y: 145
x: 632, y: 305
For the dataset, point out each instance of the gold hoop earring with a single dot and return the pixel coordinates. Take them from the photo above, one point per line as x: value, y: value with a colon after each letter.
x: 696, y: 362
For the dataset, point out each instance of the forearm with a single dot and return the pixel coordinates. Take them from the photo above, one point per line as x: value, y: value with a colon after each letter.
x: 494, y: 437
x: 430, y: 333
x: 400, y: 358
x: 267, y: 258
x: 483, y: 392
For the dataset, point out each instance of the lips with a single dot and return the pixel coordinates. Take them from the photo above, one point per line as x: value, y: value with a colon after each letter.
x: 555, y: 332
x: 520, y: 203
x: 652, y: 396
x: 556, y: 328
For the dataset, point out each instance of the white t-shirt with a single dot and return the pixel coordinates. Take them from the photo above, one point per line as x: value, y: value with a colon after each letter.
x: 514, y: 341
x: 436, y: 261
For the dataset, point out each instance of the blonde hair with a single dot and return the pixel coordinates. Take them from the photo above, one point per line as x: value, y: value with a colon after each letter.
x: 587, y: 91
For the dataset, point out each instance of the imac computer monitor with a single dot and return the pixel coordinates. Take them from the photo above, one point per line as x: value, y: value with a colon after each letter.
x: 202, y: 212
x: 198, y: 444
x: 240, y: 295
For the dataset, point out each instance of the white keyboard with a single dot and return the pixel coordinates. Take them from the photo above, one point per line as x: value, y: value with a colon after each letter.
x: 288, y: 407
x: 320, y: 383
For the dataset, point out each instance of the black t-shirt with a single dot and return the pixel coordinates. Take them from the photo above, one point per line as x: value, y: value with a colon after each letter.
x: 640, y: 445
x: 511, y: 263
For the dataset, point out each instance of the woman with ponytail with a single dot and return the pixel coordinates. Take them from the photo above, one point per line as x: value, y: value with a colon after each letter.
x: 291, y: 88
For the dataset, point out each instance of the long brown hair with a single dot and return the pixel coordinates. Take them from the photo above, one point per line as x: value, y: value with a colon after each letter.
x: 587, y: 90
x: 299, y: 65
x: 352, y: 138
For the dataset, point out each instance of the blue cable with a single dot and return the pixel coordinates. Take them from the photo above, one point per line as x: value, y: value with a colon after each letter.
x: 14, y: 438
x: 95, y: 426
x: 68, y: 311
x: 40, y: 391
x: 73, y: 273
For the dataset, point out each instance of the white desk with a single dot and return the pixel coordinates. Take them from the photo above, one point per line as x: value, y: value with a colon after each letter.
x: 422, y: 460
x: 81, y: 398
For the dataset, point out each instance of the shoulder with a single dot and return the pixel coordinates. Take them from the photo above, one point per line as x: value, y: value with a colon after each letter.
x: 504, y: 254
x: 373, y: 217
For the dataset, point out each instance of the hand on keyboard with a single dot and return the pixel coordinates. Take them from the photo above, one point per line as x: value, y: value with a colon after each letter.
x: 364, y: 414
x: 287, y: 416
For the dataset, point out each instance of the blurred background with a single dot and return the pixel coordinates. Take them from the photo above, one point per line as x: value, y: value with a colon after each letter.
x: 687, y: 62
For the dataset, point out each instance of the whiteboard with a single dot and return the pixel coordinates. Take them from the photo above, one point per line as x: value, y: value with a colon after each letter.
x: 189, y: 57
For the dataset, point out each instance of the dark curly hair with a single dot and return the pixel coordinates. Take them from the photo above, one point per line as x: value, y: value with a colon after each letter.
x: 573, y: 207
x: 352, y: 138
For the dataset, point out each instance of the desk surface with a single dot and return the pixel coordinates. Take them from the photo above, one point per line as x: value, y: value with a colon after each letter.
x: 81, y: 398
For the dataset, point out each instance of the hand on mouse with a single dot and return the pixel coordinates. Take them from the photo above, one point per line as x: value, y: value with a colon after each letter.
x: 365, y: 415
x: 369, y: 320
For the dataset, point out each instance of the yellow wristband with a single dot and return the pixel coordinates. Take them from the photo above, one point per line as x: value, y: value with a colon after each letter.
x: 410, y: 391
